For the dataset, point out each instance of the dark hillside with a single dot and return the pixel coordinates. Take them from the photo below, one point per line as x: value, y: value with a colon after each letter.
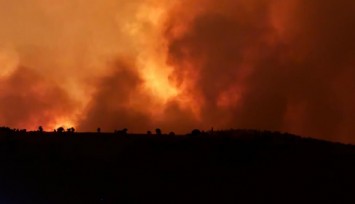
x: 241, y: 166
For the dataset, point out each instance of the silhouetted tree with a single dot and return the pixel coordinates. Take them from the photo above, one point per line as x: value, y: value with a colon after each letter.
x: 149, y: 132
x: 122, y: 132
x: 98, y: 130
x: 172, y: 134
x: 196, y: 132
x: 60, y: 130
x: 40, y: 129
x: 71, y: 130
x: 6, y: 129
x: 158, y: 131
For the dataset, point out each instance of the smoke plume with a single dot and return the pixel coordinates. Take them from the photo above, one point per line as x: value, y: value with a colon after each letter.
x: 263, y: 64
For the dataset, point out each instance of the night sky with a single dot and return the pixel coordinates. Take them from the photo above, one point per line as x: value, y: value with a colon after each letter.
x: 178, y: 65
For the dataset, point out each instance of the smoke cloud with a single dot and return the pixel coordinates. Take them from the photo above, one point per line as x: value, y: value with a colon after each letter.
x: 264, y: 64
x: 270, y: 64
x: 28, y: 99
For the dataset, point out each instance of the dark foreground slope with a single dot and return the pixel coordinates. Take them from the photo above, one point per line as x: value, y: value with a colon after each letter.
x: 228, y: 167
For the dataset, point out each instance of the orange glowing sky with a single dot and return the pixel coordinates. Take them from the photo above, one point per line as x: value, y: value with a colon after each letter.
x: 142, y: 64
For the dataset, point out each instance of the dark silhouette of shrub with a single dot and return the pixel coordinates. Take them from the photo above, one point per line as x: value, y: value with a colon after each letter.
x: 211, y: 131
x: 172, y: 134
x: 98, y: 130
x: 158, y: 131
x: 196, y: 132
x: 149, y: 132
x: 40, y: 129
x: 60, y: 130
x: 5, y: 129
x: 71, y: 130
x: 122, y: 132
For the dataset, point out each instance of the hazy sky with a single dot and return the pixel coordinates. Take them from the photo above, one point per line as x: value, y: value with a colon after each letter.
x: 142, y: 64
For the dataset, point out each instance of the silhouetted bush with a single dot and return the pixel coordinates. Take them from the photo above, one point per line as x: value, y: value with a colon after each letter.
x: 158, y: 131
x: 71, y: 130
x: 122, y: 132
x: 196, y: 132
x: 60, y: 130
x: 5, y: 129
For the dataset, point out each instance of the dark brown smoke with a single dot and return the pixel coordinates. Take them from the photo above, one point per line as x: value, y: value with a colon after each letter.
x: 113, y: 103
x: 273, y: 69
x: 118, y: 102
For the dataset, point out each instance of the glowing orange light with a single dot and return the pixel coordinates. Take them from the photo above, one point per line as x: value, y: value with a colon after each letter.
x: 8, y: 62
x: 62, y: 123
x: 156, y: 80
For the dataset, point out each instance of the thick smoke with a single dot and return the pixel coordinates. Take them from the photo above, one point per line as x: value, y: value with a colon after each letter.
x: 270, y: 64
x: 265, y: 64
x: 121, y: 100
x: 113, y: 103
x: 28, y: 98
x: 71, y: 45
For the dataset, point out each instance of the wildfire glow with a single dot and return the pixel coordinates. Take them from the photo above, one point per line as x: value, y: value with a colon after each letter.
x: 64, y: 123
x: 158, y: 82
x: 8, y: 61
x: 177, y: 65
